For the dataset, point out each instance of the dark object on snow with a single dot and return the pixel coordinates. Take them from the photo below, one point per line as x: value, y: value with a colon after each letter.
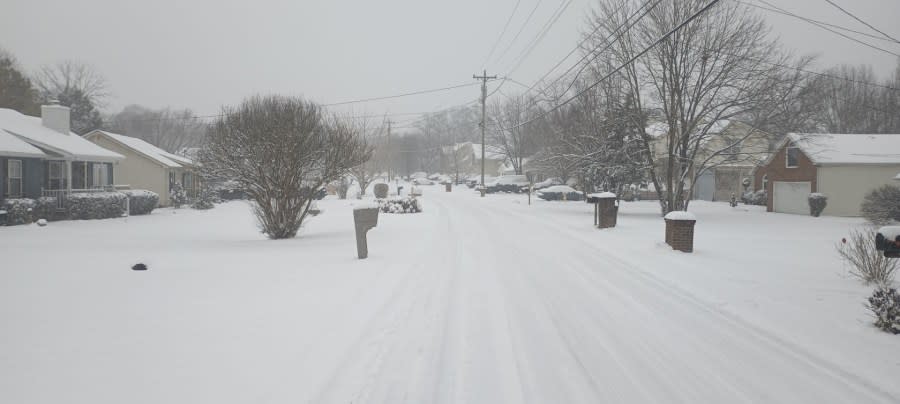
x: 885, y: 305
x: 139, y: 267
x: 890, y: 247
x: 381, y: 190
x: 733, y: 201
x: 606, y: 210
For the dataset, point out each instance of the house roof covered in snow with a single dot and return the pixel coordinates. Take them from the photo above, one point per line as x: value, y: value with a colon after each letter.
x: 145, y: 149
x: 824, y: 149
x: 12, y: 146
x: 30, y: 130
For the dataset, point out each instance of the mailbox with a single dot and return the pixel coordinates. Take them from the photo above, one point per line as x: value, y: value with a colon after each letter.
x: 888, y: 240
x: 365, y: 218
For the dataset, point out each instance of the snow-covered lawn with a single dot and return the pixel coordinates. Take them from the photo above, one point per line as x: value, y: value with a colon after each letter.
x: 475, y: 300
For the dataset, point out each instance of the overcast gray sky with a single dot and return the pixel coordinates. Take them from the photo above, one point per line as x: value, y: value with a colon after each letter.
x: 200, y: 54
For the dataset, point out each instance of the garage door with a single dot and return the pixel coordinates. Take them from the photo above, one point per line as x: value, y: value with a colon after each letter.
x: 790, y: 197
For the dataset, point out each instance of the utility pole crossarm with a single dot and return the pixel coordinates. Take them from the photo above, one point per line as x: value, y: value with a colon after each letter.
x: 484, y: 78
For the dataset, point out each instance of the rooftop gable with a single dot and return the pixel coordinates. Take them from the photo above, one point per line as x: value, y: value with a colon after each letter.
x: 834, y: 149
x: 30, y: 130
x: 145, y: 149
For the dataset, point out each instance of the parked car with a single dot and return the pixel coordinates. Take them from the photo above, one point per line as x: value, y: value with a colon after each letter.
x: 549, y: 182
x: 508, y: 183
x: 474, y: 180
x: 422, y: 181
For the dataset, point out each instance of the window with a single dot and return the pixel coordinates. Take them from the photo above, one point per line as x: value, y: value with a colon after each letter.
x: 14, y: 178
x: 731, y: 152
x: 792, y: 155
x: 56, y: 178
x: 101, y: 175
x: 187, y: 181
x: 171, y: 180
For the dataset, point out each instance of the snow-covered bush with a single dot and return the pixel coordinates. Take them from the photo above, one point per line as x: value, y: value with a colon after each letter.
x: 758, y: 197
x: 560, y: 193
x: 95, y: 205
x: 817, y: 203
x: 141, y: 201
x: 343, y: 187
x: 885, y: 305
x: 177, y: 196
x: 205, y: 200
x: 400, y: 205
x: 882, y: 205
x: 18, y: 210
x: 866, y: 263
x: 45, y: 208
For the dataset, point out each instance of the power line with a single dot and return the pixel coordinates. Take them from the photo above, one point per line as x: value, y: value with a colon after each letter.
x: 772, y: 10
x: 831, y: 30
x: 861, y: 21
x: 503, y: 32
x: 434, y: 90
x: 522, y: 28
x: 541, y: 34
x: 628, y: 62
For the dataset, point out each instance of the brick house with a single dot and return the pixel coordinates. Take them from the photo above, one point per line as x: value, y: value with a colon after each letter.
x: 844, y: 167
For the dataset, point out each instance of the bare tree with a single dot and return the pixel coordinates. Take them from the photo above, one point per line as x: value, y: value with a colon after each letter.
x: 66, y: 76
x: 510, y: 134
x: 282, y: 151
x: 168, y: 129
x: 368, y: 171
x: 719, y: 66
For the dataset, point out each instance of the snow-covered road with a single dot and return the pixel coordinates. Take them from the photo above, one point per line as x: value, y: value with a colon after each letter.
x: 473, y: 301
x: 502, y: 315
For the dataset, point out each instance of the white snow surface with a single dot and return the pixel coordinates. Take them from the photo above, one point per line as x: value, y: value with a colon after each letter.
x: 849, y: 148
x: 680, y: 215
x: 890, y: 232
x: 448, y: 308
x: 365, y: 205
x: 35, y: 133
x: 150, y: 151
x: 559, y: 188
x: 12, y: 146
x: 602, y: 195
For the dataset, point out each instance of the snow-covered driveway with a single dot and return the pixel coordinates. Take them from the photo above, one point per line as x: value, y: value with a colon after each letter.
x: 474, y: 301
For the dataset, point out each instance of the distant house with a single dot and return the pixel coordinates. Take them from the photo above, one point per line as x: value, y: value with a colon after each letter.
x: 147, y: 166
x: 844, y: 167
x: 730, y: 152
x: 40, y: 156
x: 465, y: 159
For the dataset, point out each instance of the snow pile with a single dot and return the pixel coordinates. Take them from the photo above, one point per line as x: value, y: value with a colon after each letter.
x: 890, y: 232
x: 365, y: 205
x: 680, y: 215
x: 560, y: 188
x: 602, y: 195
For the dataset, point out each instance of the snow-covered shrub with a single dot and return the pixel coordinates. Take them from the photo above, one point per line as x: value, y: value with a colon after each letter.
x: 44, y: 208
x: 205, y: 200
x: 866, y: 263
x: 885, y: 305
x: 882, y: 205
x: 560, y: 193
x: 400, y: 205
x: 177, y: 196
x: 18, y: 210
x: 758, y: 197
x: 95, y: 205
x: 141, y: 201
x: 817, y: 203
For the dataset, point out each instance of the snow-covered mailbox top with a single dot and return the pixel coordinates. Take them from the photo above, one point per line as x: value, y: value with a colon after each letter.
x: 888, y: 240
x: 680, y: 215
x: 596, y: 197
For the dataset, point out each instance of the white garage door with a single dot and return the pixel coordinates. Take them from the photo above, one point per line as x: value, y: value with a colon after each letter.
x: 790, y: 197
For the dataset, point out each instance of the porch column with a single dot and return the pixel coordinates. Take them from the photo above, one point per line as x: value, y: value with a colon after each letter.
x: 69, y: 176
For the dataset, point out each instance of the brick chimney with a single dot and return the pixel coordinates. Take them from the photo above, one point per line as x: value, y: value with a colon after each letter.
x: 56, y: 117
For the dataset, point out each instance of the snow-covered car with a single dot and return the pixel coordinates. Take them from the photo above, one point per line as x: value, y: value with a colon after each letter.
x: 549, y: 182
x: 422, y: 181
x: 474, y: 180
x: 560, y: 193
x: 508, y: 183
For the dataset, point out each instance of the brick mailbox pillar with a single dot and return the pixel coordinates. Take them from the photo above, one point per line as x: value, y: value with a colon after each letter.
x: 605, y: 209
x: 448, y: 187
x: 365, y: 218
x: 680, y: 230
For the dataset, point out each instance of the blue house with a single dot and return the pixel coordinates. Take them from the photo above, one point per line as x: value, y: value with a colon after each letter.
x: 41, y: 156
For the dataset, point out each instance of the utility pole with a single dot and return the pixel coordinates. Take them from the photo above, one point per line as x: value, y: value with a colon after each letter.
x: 484, y: 78
x: 390, y: 159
